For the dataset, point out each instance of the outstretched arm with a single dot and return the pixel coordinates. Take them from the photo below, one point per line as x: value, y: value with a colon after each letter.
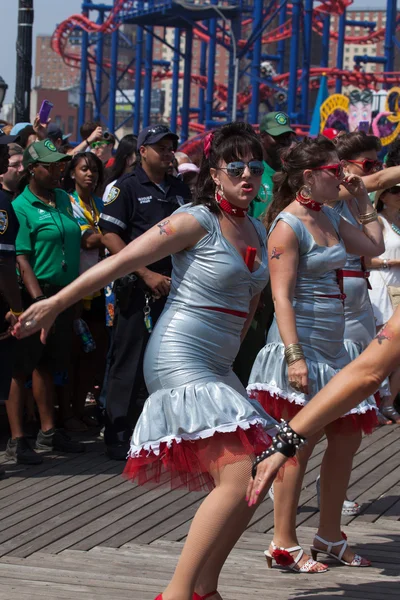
x: 168, y: 237
x: 377, y: 181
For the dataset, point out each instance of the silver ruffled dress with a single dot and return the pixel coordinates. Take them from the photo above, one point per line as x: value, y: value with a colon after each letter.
x: 198, y: 415
x: 318, y: 306
x: 360, y: 326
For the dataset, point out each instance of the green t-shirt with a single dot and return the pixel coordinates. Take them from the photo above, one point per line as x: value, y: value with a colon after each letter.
x: 50, y: 237
x: 260, y: 204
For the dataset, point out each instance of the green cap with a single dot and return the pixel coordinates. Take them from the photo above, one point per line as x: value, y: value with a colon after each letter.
x: 276, y: 123
x: 44, y: 152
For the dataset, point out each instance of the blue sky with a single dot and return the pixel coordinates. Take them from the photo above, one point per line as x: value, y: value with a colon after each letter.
x: 47, y: 14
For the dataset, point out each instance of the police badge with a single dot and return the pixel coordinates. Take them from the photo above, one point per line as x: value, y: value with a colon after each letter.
x: 3, y: 221
x: 112, y: 195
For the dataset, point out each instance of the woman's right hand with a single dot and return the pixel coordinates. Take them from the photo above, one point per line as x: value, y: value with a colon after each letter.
x: 39, y: 316
x: 298, y: 376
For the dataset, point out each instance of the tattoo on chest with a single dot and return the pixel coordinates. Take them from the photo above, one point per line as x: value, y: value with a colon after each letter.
x: 166, y: 228
x: 384, y: 334
x: 277, y: 252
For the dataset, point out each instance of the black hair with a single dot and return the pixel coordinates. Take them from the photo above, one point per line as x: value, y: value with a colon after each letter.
x: 93, y: 162
x: 307, y: 154
x: 24, y: 134
x: 393, y: 155
x: 126, y: 147
x: 230, y: 143
x: 353, y: 144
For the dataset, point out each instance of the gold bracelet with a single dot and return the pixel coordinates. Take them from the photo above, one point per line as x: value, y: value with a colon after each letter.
x: 293, y: 353
x: 368, y: 214
x: 368, y: 218
x: 16, y: 313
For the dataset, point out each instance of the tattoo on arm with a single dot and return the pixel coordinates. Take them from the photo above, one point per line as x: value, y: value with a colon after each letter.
x: 384, y: 334
x: 166, y: 228
x: 277, y: 252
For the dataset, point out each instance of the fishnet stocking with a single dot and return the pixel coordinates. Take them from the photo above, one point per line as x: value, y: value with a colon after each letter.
x: 216, y: 527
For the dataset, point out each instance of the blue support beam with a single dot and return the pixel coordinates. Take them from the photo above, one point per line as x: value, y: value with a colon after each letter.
x: 113, y: 81
x: 138, y: 80
x: 255, y: 63
x: 203, y: 73
x: 340, y: 50
x: 390, y: 34
x: 175, y: 79
x: 294, y: 49
x: 282, y: 43
x: 307, y: 28
x: 186, y: 85
x: 326, y: 41
x: 148, y: 72
x: 212, y: 50
x: 99, y: 65
x: 83, y: 78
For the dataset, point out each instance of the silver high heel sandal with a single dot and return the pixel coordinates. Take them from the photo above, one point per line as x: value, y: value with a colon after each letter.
x: 358, y: 561
x: 283, y: 558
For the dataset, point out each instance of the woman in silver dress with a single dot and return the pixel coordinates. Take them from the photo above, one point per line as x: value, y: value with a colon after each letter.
x: 359, y: 153
x: 198, y: 427
x: 305, y: 347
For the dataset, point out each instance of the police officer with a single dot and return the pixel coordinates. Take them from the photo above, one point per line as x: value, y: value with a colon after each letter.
x: 138, y: 201
x: 10, y: 297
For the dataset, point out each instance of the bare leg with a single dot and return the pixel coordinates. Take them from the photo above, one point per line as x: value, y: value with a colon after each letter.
x: 286, y: 499
x: 335, y: 476
x: 15, y: 407
x: 43, y: 392
x: 224, y: 508
x: 387, y: 401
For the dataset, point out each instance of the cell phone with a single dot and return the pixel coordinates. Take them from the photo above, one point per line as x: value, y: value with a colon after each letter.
x: 45, y: 110
x: 364, y: 126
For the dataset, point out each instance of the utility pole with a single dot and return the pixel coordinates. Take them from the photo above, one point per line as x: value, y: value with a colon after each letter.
x: 24, y: 61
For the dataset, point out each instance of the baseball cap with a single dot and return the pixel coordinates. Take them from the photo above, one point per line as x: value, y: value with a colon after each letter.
x: 6, y: 139
x: 54, y: 132
x: 276, y: 123
x: 154, y: 133
x: 188, y: 168
x: 43, y: 152
x: 19, y: 127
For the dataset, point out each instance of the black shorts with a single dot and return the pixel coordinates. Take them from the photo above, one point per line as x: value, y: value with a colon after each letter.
x: 7, y: 348
x: 55, y: 355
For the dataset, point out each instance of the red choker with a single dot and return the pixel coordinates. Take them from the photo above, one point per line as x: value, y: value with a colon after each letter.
x: 307, y: 202
x: 229, y: 208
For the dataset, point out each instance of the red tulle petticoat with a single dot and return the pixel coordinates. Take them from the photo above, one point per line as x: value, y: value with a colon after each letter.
x: 188, y: 464
x: 281, y: 408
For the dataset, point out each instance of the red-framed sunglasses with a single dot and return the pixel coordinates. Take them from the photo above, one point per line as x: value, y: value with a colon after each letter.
x: 337, y: 169
x: 368, y: 165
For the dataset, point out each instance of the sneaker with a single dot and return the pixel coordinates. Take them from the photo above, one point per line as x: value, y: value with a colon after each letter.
x: 20, y: 451
x: 118, y: 451
x: 57, y: 439
x: 2, y: 472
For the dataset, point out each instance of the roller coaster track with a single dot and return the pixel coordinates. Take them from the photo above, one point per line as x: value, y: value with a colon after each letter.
x: 65, y: 30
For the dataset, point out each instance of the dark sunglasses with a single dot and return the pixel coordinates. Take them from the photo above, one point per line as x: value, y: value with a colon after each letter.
x: 56, y: 166
x: 337, y: 169
x: 236, y: 169
x: 368, y: 165
x: 393, y: 190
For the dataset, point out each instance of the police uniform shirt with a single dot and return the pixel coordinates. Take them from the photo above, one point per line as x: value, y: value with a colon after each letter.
x: 9, y: 226
x: 135, y: 204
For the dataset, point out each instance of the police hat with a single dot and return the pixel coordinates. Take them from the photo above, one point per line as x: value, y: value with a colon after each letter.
x: 154, y: 133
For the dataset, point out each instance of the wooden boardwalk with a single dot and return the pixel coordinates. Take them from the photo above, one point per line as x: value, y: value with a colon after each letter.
x: 72, y: 528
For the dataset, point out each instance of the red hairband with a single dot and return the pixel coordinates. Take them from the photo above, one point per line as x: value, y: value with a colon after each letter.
x: 207, y: 144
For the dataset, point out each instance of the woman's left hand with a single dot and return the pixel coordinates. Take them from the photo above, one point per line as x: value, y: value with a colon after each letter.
x: 39, y: 316
x: 355, y: 186
x: 267, y: 470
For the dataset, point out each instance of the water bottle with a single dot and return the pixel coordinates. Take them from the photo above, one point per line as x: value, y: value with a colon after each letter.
x: 82, y: 330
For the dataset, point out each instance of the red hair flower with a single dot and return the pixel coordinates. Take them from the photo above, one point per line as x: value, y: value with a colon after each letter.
x: 207, y: 144
x: 344, y: 536
x: 282, y: 557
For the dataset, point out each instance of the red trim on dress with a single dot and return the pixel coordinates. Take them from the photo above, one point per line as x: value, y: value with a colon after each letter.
x: 281, y: 408
x: 187, y: 464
